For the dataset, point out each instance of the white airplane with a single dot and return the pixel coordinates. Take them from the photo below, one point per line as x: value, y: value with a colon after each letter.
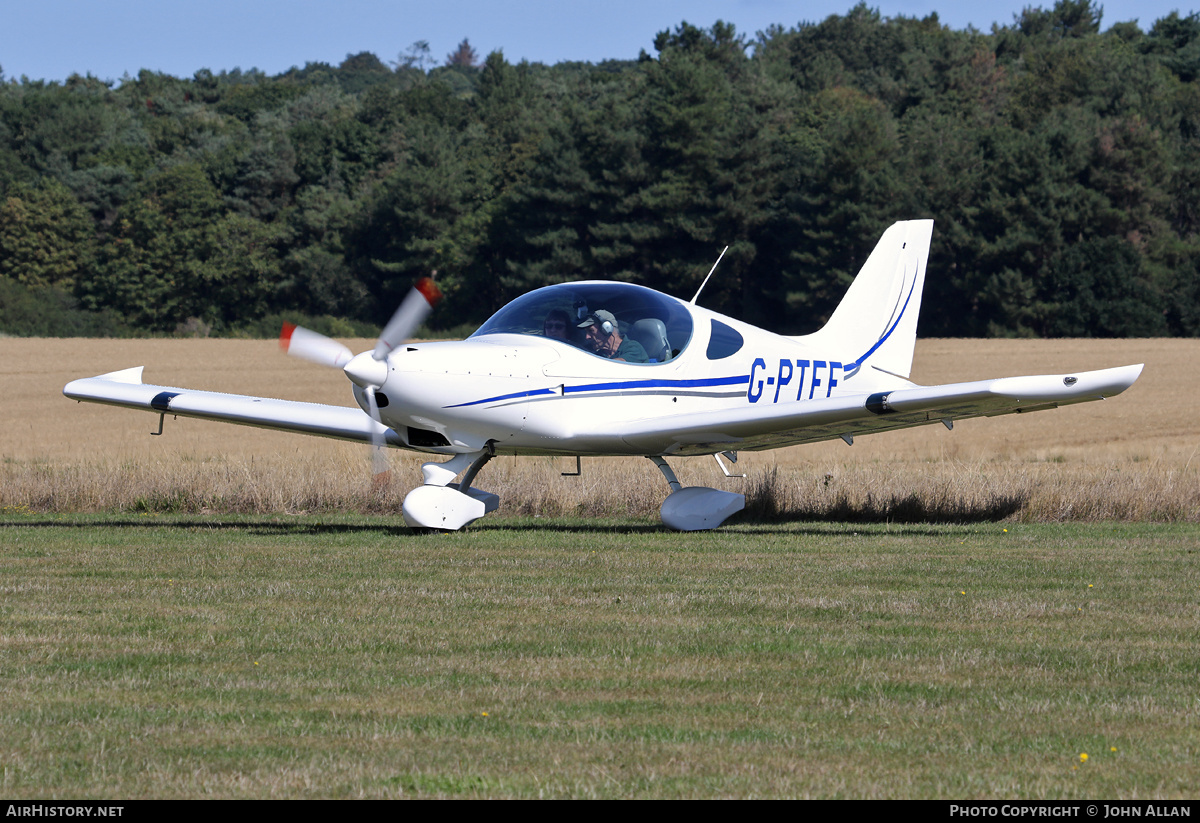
x: 709, y: 384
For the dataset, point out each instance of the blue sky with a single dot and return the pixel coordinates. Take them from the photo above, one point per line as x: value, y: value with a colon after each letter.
x: 51, y: 39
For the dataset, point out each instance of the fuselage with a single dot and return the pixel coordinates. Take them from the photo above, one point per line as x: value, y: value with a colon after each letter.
x: 511, y: 386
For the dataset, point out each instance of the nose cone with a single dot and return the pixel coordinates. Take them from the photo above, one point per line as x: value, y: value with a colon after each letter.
x: 364, y: 370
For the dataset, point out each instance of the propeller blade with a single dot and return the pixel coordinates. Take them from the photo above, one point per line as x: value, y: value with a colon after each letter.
x: 381, y: 470
x: 415, y: 308
x: 310, y: 345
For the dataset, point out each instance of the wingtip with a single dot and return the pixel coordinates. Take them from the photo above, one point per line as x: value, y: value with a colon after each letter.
x: 1124, y: 376
x: 79, y: 389
x: 133, y: 375
x: 285, y: 335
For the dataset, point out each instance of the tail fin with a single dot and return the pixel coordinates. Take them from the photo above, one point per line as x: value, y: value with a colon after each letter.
x: 876, y: 322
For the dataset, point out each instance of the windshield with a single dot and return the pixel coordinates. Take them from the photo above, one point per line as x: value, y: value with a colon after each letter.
x: 660, y: 325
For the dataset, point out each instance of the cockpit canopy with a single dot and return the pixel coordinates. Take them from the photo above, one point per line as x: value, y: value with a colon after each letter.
x: 661, y: 324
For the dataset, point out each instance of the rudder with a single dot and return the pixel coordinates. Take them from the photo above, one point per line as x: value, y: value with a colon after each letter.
x: 876, y: 322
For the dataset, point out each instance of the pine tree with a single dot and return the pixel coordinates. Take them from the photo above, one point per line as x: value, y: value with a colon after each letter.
x: 464, y: 56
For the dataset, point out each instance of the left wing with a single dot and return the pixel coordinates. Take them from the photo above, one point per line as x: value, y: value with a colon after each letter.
x: 125, y: 388
x: 761, y: 426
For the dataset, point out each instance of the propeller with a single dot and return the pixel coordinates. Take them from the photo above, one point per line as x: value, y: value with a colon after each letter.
x: 310, y: 345
x: 368, y: 370
x: 416, y: 307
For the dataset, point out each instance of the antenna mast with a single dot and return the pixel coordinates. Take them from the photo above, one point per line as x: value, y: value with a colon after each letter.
x: 710, y: 274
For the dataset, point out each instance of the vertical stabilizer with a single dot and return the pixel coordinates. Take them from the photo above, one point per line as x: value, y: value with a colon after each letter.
x: 876, y: 323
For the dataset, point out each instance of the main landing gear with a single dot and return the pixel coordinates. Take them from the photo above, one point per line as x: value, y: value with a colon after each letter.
x: 443, y: 505
x: 695, y: 508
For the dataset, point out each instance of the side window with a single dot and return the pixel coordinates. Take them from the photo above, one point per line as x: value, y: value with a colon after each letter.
x: 725, y: 341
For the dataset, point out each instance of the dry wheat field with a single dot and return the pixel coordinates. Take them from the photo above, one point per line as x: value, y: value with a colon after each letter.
x: 1133, y: 457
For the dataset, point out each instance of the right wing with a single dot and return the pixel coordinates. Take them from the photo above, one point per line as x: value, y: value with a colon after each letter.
x: 125, y: 388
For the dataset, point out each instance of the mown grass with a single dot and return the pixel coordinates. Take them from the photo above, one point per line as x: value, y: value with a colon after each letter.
x: 340, y: 656
x: 926, y: 614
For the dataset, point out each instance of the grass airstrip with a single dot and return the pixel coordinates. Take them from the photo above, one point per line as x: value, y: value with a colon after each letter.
x: 1010, y: 609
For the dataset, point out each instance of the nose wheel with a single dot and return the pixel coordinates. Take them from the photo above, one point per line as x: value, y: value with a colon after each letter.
x: 440, y: 505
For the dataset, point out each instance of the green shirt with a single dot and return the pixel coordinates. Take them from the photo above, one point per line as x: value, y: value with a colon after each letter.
x: 631, y: 351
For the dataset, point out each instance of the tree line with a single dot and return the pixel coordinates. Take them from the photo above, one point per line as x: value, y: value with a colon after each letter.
x: 1061, y: 163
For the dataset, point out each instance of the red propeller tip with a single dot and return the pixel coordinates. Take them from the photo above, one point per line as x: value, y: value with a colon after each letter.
x: 285, y: 335
x: 429, y: 290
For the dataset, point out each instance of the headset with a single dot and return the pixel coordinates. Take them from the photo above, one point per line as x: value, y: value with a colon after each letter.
x: 582, y: 312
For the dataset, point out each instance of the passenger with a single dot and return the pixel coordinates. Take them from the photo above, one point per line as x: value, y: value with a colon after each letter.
x: 602, y: 336
x: 556, y: 326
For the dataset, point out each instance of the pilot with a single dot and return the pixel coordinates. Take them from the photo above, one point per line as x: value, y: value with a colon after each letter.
x: 602, y: 337
x: 556, y: 326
